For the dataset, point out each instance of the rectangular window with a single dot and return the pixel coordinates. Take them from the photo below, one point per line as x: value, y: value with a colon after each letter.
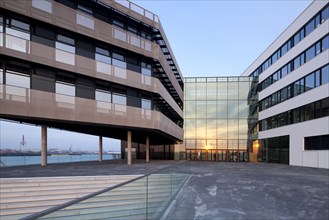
x: 18, y: 29
x: 317, y: 78
x: 65, y: 43
x: 18, y: 79
x: 284, y: 94
x: 325, y: 43
x: 309, y: 82
x: 310, y: 54
x: 102, y: 95
x: 85, y: 9
x: 325, y: 75
x: 284, y: 71
x: 119, y: 99
x: 146, y: 103
x: 102, y: 55
x: 284, y: 49
x: 309, y: 27
x: 65, y: 88
x: 43, y: 5
x: 325, y: 107
x: 119, y: 60
x: 1, y: 76
x: 296, y: 62
x: 309, y: 111
x: 316, y: 142
x: 324, y: 14
x: 146, y: 69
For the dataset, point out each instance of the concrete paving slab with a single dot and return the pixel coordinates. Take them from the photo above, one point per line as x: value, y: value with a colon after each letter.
x: 252, y: 191
x: 92, y: 168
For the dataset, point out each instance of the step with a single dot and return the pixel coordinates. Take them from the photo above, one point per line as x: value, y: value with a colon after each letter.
x: 64, y: 178
x: 52, y: 192
x: 104, y: 214
x: 32, y: 204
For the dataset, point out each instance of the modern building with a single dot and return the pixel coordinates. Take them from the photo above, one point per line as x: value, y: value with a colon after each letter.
x: 277, y: 111
x: 294, y: 93
x: 216, y: 118
x: 98, y: 67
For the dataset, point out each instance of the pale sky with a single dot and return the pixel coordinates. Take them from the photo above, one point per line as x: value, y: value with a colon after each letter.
x: 208, y: 38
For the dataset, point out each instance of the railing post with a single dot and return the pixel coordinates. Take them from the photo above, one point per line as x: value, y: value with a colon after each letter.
x: 147, y: 149
x: 129, y: 147
x: 100, y: 142
x: 43, y: 145
x: 147, y: 197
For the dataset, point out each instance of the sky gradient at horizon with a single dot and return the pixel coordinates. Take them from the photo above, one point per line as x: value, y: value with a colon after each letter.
x: 208, y: 38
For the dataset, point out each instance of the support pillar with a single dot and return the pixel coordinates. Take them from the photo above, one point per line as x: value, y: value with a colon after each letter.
x: 43, y: 145
x: 100, y: 143
x: 147, y: 149
x: 129, y: 147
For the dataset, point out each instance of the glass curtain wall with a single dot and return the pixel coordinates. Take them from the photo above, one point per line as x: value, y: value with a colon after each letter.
x: 216, y: 118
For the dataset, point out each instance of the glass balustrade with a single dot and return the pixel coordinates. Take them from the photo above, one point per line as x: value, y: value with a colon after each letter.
x: 146, y: 197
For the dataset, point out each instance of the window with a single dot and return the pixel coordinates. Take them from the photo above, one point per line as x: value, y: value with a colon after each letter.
x: 307, y: 112
x: 284, y: 94
x: 316, y: 142
x: 317, y: 48
x: 119, y: 60
x: 284, y: 49
x: 146, y: 103
x: 325, y: 14
x: 317, y: 78
x: 43, y: 5
x: 65, y: 43
x: 309, y: 27
x: 85, y: 9
x: 44, y: 36
x: 102, y: 95
x: 117, y: 23
x: 119, y: 98
x: 18, y: 79
x: 102, y: 55
x: 18, y: 28
x: 146, y: 69
x: 65, y: 88
x: 297, y: 62
x: 284, y: 71
x: 309, y: 82
x: 325, y: 75
x: 325, y: 43
x: 310, y: 54
x: 1, y: 76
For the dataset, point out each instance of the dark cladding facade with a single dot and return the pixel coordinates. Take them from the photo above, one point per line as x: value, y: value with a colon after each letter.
x: 97, y: 67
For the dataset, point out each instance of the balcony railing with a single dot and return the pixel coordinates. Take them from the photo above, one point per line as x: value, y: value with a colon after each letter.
x: 29, y: 50
x: 31, y: 103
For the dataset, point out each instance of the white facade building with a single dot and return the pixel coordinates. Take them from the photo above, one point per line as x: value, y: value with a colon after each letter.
x: 294, y: 91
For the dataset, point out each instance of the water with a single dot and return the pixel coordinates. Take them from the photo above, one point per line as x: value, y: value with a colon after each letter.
x: 9, y: 161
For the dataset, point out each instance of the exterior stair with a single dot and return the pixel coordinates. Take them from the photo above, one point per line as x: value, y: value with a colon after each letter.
x: 20, y: 197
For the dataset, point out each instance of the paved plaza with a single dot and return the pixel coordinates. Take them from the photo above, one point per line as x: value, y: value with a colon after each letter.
x: 220, y: 190
x: 252, y: 191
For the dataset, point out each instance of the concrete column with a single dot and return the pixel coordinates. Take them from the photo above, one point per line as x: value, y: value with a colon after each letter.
x: 43, y: 145
x: 100, y: 143
x: 147, y: 149
x: 129, y: 147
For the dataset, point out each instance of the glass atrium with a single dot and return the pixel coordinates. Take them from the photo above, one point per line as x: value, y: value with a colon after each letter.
x: 216, y: 118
